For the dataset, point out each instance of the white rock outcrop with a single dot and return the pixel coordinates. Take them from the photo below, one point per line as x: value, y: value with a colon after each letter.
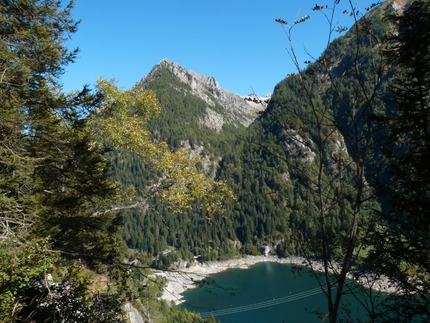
x: 133, y: 314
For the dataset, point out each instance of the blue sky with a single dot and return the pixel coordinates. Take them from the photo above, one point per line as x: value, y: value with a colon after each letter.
x: 237, y: 42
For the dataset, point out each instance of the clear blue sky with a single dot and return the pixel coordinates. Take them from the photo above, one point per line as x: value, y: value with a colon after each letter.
x: 237, y: 42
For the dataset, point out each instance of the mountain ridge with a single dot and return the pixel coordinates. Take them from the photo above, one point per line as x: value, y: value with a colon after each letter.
x: 266, y: 166
x: 208, y: 89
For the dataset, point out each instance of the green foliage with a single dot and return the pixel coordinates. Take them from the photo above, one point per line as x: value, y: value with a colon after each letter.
x: 401, y: 244
x: 52, y: 176
x: 28, y: 30
x: 58, y: 202
x: 182, y: 316
x: 20, y: 263
x: 157, y: 227
x: 302, y: 172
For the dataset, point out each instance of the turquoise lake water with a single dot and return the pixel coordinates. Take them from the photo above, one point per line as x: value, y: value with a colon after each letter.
x: 266, y: 292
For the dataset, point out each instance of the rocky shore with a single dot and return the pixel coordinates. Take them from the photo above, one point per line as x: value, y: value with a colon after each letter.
x: 187, y: 278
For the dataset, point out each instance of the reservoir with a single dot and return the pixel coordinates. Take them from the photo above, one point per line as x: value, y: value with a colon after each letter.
x: 268, y: 292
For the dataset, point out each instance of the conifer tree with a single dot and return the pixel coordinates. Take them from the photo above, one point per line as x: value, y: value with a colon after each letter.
x: 401, y: 246
x: 57, y: 201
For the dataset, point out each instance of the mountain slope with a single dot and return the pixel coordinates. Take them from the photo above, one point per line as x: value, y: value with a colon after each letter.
x: 274, y: 162
x: 305, y: 168
x: 220, y: 106
x: 197, y: 114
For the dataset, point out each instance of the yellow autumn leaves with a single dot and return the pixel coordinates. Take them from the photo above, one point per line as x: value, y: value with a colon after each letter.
x: 121, y: 122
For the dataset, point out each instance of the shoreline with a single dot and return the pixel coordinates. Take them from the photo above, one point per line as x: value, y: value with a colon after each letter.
x: 184, y: 279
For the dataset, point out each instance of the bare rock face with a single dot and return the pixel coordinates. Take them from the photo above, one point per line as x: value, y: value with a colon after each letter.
x: 399, y: 5
x: 213, y: 119
x: 133, y: 315
x: 236, y: 109
x: 212, y: 85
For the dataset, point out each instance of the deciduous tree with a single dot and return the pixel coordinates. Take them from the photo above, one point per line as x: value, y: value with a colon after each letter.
x: 325, y: 120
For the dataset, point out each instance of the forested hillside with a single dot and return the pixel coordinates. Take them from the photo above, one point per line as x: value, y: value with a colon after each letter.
x: 198, y: 115
x: 307, y: 125
x: 62, y: 254
x: 311, y: 173
x: 334, y: 168
x: 263, y: 163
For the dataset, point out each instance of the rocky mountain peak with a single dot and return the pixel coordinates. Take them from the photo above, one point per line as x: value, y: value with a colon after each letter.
x: 237, y: 110
x: 212, y: 83
x: 174, y: 68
